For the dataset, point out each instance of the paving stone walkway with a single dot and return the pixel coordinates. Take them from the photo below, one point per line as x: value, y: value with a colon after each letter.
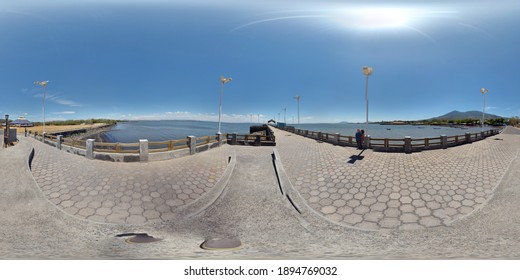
x: 375, y: 191
x: 132, y: 193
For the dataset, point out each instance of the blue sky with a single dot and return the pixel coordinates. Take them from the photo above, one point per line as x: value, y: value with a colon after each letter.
x: 163, y: 59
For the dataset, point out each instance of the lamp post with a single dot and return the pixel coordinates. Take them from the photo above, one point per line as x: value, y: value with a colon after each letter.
x: 222, y: 81
x: 483, y: 91
x: 297, y: 97
x: 285, y: 115
x: 44, y: 85
x: 367, y: 71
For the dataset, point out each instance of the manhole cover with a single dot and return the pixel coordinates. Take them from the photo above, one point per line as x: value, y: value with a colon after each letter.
x: 139, y: 238
x: 221, y: 244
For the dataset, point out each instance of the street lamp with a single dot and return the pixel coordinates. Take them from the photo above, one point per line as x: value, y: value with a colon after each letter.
x: 367, y: 71
x: 297, y: 97
x: 222, y: 81
x: 284, y: 115
x: 483, y: 91
x: 44, y: 85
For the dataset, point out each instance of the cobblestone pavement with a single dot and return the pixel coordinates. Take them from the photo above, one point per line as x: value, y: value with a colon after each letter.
x: 132, y: 193
x: 253, y: 209
x: 395, y: 190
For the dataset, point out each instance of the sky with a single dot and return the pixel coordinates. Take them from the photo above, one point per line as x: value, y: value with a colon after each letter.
x: 155, y: 60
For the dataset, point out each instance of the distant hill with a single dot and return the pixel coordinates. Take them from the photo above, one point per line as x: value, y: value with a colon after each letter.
x: 456, y: 115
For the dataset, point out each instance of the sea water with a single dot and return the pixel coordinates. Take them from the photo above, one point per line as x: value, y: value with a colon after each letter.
x: 132, y: 131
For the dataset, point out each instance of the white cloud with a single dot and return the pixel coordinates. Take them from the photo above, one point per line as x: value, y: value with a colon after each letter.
x: 184, y: 115
x: 68, y: 103
x: 58, y: 99
x: 64, y: 113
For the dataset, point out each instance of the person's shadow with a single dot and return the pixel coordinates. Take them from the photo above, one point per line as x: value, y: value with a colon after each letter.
x: 354, y: 158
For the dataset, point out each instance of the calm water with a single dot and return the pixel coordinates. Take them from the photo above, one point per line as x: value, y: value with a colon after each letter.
x: 131, y: 132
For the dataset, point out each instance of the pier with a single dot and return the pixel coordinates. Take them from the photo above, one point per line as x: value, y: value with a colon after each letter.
x: 302, y: 198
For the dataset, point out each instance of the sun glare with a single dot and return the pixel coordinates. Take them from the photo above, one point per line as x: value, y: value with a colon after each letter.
x: 376, y: 18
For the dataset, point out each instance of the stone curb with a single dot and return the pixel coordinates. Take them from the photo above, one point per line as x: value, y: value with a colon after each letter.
x: 205, y: 201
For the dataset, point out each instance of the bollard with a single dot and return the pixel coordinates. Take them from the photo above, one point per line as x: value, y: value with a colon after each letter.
x: 444, y: 141
x: 143, y: 150
x: 366, y: 142
x: 408, y: 144
x: 90, y: 149
x: 192, y: 144
x: 337, y: 138
x: 58, y: 141
x: 219, y: 139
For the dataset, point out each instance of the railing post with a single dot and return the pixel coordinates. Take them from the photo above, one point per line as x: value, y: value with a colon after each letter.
x: 444, y: 141
x: 337, y: 138
x: 366, y: 142
x: 257, y: 140
x: 306, y: 133
x: 233, y: 139
x: 192, y: 144
x: 320, y: 135
x: 90, y: 149
x: 43, y: 137
x: 468, y: 137
x: 58, y: 141
x: 482, y: 134
x: 143, y: 150
x: 408, y: 144
x: 219, y: 138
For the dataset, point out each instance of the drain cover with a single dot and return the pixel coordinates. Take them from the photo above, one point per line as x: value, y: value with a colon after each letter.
x: 142, y: 238
x: 221, y: 244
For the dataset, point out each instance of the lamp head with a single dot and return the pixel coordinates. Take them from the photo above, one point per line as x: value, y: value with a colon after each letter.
x: 484, y: 90
x: 225, y: 80
x: 367, y: 71
x: 42, y: 83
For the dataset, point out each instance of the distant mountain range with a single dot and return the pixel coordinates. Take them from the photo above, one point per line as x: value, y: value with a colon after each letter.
x: 456, y: 115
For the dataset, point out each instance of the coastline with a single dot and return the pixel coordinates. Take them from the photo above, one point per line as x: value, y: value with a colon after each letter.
x: 94, y: 133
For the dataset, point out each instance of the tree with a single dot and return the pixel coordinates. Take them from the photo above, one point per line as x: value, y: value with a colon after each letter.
x: 514, y: 121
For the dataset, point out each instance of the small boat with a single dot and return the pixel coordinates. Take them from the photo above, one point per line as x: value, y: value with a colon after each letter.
x: 388, y: 129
